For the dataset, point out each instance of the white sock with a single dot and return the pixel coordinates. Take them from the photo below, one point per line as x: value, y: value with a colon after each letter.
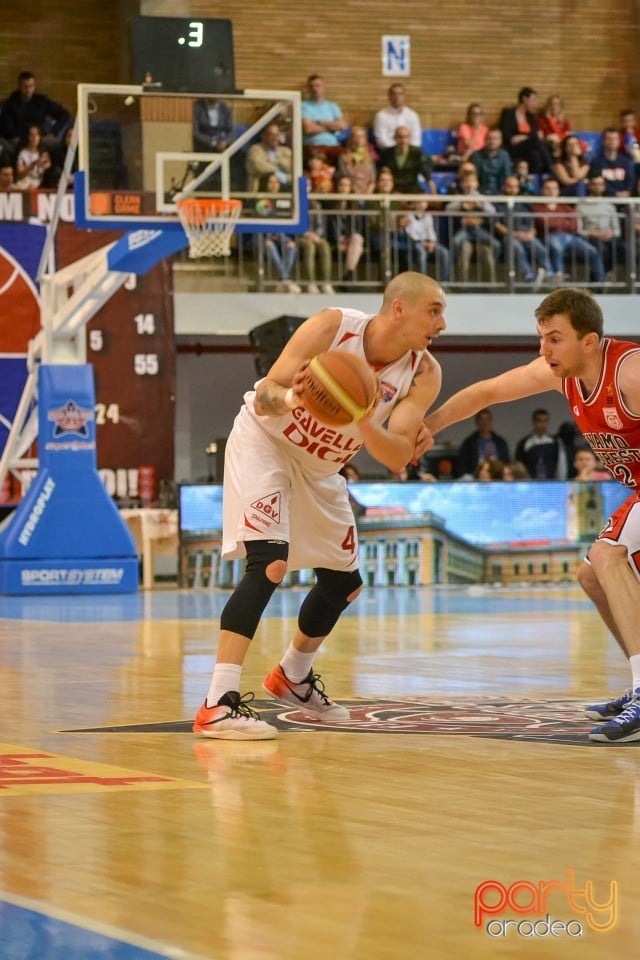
x: 635, y: 670
x: 226, y: 676
x: 296, y: 664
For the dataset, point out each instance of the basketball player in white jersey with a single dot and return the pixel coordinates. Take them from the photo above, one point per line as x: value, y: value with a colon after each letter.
x: 286, y: 505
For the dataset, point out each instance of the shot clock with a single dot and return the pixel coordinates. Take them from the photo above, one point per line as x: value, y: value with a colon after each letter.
x: 181, y: 54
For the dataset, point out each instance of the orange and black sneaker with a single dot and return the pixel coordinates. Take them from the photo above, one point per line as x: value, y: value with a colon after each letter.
x: 232, y: 719
x: 308, y: 696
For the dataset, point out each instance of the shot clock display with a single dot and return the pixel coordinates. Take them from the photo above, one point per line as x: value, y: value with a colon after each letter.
x: 181, y: 54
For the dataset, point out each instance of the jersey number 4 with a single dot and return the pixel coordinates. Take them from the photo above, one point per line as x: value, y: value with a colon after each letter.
x: 349, y: 542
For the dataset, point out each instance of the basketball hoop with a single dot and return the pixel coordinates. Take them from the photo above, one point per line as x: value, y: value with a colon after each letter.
x: 208, y: 223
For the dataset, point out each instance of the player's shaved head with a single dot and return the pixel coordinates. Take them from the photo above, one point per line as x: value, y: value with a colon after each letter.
x: 411, y: 287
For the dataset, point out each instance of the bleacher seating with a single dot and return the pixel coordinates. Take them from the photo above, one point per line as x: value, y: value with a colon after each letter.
x: 437, y: 142
x: 592, y: 139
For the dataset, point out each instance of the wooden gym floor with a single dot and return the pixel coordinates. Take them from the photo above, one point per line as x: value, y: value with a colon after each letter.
x: 124, y: 836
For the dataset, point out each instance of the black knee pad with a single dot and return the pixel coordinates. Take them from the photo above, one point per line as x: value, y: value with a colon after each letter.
x: 323, y: 605
x: 245, y: 606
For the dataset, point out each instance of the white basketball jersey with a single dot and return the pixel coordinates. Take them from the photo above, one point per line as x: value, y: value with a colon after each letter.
x: 322, y: 449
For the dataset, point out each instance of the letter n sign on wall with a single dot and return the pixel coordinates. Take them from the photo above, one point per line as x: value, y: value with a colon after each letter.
x: 396, y: 56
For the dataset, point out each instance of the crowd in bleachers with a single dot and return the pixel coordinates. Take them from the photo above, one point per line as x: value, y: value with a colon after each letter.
x: 484, y: 455
x: 444, y: 217
x: 525, y: 200
x: 34, y: 136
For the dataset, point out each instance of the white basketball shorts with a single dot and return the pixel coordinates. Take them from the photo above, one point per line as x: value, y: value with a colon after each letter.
x: 268, y: 496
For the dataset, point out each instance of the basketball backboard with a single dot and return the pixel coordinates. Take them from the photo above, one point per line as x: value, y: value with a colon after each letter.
x: 139, y: 150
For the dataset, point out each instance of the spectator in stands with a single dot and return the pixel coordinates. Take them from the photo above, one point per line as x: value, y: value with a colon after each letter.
x: 472, y: 134
x: 442, y: 472
x: 319, y: 172
x: 322, y: 120
x: 211, y: 132
x: 482, y: 444
x: 25, y: 107
x: 557, y: 227
x: 411, y: 168
x: 346, y: 230
x: 58, y: 156
x: 7, y: 178
x: 520, y: 133
x: 33, y: 161
x: 599, y: 224
x: 405, y: 475
x: 587, y: 467
x: 386, y: 217
x: 423, y: 243
x: 488, y: 470
x: 212, y: 125
x: 397, y: 114
x: 528, y: 182
x: 552, y: 122
x: 571, y: 440
x: 473, y: 231
x: 455, y: 187
x: 571, y: 168
x: 357, y: 162
x: 492, y: 163
x: 281, y: 248
x: 616, y: 167
x: 385, y: 182
x: 515, y: 471
x: 270, y: 155
x: 316, y: 249
x: 630, y: 135
x: 541, y: 453
x: 518, y: 234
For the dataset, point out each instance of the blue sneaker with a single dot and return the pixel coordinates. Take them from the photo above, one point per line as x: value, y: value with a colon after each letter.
x: 623, y: 728
x: 611, y: 709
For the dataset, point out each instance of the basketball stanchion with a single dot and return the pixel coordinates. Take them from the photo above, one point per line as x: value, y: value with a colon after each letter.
x: 209, y: 223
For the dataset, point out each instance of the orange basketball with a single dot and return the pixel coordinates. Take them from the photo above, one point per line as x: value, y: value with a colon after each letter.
x: 339, y: 388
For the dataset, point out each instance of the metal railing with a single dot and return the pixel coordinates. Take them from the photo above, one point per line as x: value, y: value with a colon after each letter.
x: 361, y: 241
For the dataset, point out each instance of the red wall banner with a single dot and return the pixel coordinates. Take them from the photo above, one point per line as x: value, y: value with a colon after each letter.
x: 130, y: 343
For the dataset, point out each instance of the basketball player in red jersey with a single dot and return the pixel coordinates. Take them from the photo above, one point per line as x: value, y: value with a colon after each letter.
x: 286, y: 506
x: 600, y: 378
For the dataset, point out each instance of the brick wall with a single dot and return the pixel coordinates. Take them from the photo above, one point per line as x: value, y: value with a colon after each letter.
x: 587, y: 51
x: 63, y: 43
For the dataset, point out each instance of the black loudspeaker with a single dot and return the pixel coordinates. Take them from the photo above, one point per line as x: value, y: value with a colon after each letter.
x: 269, y: 338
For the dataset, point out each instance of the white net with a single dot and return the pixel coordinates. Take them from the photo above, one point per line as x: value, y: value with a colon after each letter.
x: 209, y: 225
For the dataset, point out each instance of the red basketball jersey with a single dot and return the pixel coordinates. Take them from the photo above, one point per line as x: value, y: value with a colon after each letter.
x: 610, y: 429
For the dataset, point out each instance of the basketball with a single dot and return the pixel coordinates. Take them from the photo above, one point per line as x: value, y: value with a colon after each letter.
x: 339, y: 388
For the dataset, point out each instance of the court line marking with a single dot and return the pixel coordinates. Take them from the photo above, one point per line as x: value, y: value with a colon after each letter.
x: 102, y: 929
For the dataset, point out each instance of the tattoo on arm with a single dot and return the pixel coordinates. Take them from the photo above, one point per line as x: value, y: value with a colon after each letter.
x: 271, y: 399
